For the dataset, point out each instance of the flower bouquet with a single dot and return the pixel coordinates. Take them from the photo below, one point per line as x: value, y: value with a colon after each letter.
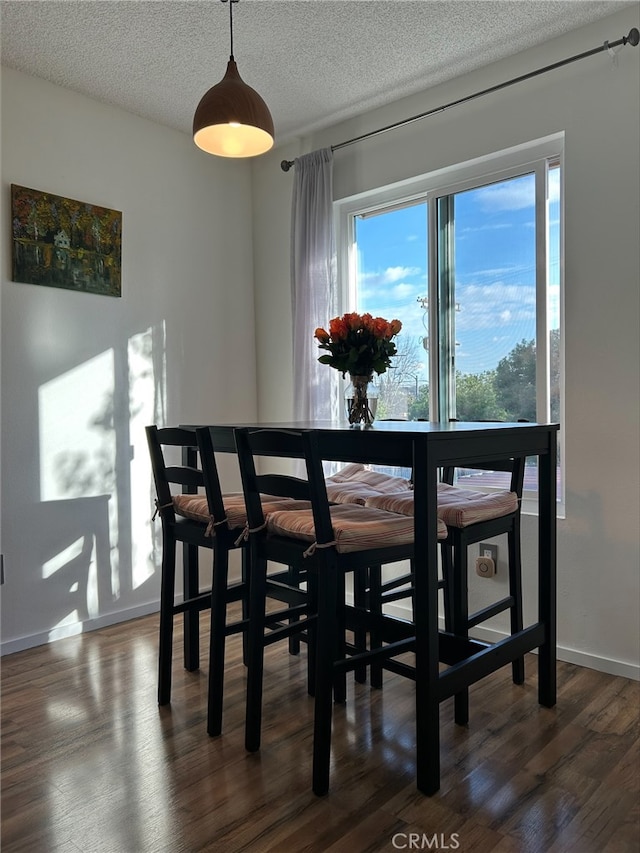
x: 360, y: 345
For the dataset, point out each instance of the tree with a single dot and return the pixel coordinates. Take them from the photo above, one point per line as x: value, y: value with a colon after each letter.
x: 554, y: 369
x: 418, y: 407
x: 394, y: 384
x: 476, y: 398
x: 515, y: 382
x: 504, y: 394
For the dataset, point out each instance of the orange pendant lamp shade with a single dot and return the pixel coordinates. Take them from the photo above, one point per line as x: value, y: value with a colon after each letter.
x: 232, y: 120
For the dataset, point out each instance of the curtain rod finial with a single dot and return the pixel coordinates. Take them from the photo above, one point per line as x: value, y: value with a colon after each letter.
x: 634, y: 37
x: 285, y: 165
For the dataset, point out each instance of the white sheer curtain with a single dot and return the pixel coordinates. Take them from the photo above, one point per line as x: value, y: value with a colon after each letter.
x: 313, y: 266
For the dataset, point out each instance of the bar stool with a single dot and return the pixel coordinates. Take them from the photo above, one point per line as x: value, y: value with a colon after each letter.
x: 195, y: 512
x: 331, y: 541
x: 186, y: 516
x: 471, y: 516
x: 354, y: 484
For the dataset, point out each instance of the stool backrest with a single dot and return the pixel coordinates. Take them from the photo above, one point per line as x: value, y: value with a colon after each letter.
x: 210, y: 473
x: 187, y: 475
x: 515, y: 467
x: 283, y: 444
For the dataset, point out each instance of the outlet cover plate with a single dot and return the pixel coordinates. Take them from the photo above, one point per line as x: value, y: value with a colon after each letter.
x: 485, y: 549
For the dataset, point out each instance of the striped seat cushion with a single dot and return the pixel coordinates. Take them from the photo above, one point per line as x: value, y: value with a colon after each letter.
x: 345, y: 474
x: 402, y: 504
x: 383, y: 483
x: 362, y: 484
x: 456, y: 507
x: 459, y: 507
x: 355, y: 528
x: 196, y: 507
x: 350, y: 493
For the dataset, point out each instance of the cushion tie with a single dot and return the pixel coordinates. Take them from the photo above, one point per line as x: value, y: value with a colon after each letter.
x: 246, y: 531
x: 211, y: 526
x: 311, y: 549
x: 159, y: 507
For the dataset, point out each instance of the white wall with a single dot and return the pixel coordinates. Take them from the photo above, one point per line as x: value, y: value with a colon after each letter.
x: 83, y: 374
x: 595, y: 102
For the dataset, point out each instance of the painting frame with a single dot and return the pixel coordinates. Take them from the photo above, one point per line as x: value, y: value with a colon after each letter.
x: 65, y: 243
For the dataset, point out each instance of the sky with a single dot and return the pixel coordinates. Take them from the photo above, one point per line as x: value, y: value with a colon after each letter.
x: 494, y: 255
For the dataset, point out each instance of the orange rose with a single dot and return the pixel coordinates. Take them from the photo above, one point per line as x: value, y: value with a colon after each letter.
x: 395, y: 326
x: 353, y: 321
x: 380, y: 327
x: 367, y: 322
x: 322, y: 335
x: 338, y: 328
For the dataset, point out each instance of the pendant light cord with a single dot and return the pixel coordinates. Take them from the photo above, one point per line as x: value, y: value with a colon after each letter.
x: 230, y: 2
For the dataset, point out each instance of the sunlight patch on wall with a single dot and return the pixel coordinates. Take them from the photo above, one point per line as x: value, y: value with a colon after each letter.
x: 146, y: 354
x: 96, y: 489
x: 71, y: 552
x: 77, y: 461
x: 77, y: 442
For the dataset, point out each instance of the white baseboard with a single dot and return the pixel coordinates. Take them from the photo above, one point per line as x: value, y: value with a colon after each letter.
x: 590, y: 661
x: 602, y: 664
x: 32, y: 640
x: 597, y: 662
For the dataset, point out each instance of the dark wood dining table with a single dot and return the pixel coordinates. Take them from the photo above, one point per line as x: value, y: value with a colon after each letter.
x: 425, y: 448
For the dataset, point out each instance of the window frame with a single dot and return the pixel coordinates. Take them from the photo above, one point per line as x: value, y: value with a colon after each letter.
x: 535, y: 157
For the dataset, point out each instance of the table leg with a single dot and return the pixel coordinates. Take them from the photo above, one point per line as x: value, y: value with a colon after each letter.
x: 547, y: 607
x: 426, y: 622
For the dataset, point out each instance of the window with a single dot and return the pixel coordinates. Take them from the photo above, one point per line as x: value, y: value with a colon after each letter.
x: 470, y: 260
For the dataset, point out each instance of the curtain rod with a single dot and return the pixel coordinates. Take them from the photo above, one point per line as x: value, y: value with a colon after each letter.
x: 633, y: 38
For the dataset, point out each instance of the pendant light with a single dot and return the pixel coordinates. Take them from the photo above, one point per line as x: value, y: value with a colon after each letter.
x: 232, y: 120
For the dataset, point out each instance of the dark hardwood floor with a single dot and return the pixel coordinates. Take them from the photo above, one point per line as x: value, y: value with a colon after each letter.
x: 91, y: 764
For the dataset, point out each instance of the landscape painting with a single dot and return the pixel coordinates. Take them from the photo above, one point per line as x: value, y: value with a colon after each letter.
x: 61, y: 242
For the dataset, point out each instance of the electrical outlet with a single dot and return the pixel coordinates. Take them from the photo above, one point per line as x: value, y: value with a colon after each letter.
x: 487, y: 550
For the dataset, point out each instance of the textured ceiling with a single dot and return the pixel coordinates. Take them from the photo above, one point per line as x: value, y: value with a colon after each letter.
x: 313, y: 61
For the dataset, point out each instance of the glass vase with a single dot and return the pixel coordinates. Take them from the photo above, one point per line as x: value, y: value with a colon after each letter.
x: 361, y: 400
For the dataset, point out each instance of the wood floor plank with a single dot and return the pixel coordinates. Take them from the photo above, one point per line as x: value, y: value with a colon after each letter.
x: 90, y: 764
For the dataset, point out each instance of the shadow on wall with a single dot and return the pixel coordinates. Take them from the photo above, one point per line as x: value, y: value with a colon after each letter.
x: 94, y: 545
x: 75, y: 541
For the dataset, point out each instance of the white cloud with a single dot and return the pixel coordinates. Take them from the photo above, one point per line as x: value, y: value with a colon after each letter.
x: 392, y: 274
x: 554, y: 185
x: 495, y: 227
x: 494, y: 272
x: 387, y: 276
x: 507, y: 195
x: 496, y: 305
x: 387, y: 290
x: 404, y: 291
x: 554, y: 306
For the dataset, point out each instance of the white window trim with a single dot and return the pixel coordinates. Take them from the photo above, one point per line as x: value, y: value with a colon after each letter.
x: 496, y: 166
